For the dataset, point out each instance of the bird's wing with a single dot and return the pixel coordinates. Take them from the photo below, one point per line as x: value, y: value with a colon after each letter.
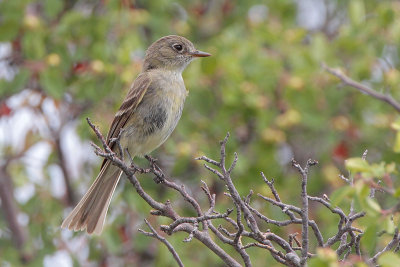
x: 132, y: 100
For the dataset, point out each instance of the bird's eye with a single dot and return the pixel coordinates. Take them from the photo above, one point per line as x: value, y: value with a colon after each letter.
x: 177, y: 47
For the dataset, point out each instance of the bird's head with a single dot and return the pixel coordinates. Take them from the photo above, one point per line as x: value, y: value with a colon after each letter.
x: 171, y: 52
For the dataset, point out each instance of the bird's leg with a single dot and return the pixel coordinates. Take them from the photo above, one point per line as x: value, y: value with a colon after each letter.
x: 159, y: 175
x: 129, y: 156
x: 134, y: 166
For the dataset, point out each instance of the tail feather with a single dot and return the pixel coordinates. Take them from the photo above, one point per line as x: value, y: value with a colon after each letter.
x: 90, y: 212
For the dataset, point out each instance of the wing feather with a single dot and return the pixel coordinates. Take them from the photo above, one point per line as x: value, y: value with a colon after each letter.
x: 131, y: 101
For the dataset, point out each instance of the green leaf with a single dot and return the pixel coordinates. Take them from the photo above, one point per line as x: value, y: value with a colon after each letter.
x: 325, y: 257
x: 16, y: 84
x: 112, y: 239
x: 11, y: 17
x: 33, y: 45
x: 395, y: 125
x: 378, y: 170
x: 319, y: 47
x: 340, y: 194
x: 389, y: 225
x: 396, y: 146
x: 362, y: 189
x: 363, y: 201
x: 53, y: 82
x: 8, y: 30
x: 52, y: 7
x: 369, y: 238
x: 387, y: 16
x: 357, y: 165
x: 390, y: 168
x: 389, y: 259
x: 357, y: 11
x: 397, y: 192
x: 372, y: 206
x: 209, y: 66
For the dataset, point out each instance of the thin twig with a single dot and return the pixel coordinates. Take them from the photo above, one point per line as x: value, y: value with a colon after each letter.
x: 304, y: 210
x: 191, y: 224
x: 362, y: 88
x: 154, y: 234
x: 169, y: 228
x: 245, y: 223
x: 392, y: 244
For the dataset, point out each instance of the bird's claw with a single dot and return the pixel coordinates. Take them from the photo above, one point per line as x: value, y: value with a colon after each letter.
x: 159, y: 175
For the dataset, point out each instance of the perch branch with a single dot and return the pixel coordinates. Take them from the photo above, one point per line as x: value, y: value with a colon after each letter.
x: 244, y: 223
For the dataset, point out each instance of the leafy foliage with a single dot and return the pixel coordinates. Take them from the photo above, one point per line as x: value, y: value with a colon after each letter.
x: 263, y: 83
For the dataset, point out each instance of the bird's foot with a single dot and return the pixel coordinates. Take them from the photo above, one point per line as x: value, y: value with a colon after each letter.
x: 138, y: 169
x: 141, y: 170
x: 159, y: 175
x: 158, y: 179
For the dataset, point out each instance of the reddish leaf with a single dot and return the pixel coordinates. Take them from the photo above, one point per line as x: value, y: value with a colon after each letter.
x: 16, y: 44
x: 5, y: 110
x: 199, y: 10
x: 341, y: 151
x: 123, y: 234
x: 227, y: 7
x: 80, y: 67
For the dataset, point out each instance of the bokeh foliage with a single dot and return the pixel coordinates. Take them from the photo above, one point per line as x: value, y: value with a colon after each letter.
x: 264, y: 84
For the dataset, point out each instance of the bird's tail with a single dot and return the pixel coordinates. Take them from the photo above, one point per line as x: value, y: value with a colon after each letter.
x: 90, y: 213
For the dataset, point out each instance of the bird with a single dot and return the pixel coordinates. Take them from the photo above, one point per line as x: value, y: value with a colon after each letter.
x: 147, y: 117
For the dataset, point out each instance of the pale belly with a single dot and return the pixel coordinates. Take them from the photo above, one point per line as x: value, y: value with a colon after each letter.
x: 153, y: 121
x: 140, y: 143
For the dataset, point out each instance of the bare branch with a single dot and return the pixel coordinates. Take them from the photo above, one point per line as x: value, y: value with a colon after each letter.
x: 362, y: 88
x: 11, y: 210
x: 233, y: 165
x: 271, y: 187
x: 206, y: 159
x: 304, y: 210
x: 283, y: 206
x: 214, y: 171
x: 154, y: 234
x: 70, y: 196
x: 166, y: 209
x: 392, y: 244
x: 170, y: 228
x: 245, y: 223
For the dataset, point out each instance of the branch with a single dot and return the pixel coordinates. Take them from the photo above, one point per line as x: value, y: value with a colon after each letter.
x: 362, y: 88
x: 169, y: 229
x: 186, y: 224
x: 70, y: 197
x: 243, y: 208
x: 244, y: 224
x: 10, y: 209
x: 154, y: 234
x: 304, y: 210
x: 392, y: 244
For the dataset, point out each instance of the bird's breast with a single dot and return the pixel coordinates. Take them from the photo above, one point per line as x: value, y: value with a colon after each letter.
x: 157, y: 115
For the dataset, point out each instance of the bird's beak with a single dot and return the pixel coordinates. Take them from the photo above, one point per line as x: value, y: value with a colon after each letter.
x: 198, y: 53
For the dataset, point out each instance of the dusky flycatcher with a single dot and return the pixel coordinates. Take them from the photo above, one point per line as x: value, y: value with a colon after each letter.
x: 146, y: 118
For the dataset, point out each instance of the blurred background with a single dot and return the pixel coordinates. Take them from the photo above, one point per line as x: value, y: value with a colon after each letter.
x: 64, y: 60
